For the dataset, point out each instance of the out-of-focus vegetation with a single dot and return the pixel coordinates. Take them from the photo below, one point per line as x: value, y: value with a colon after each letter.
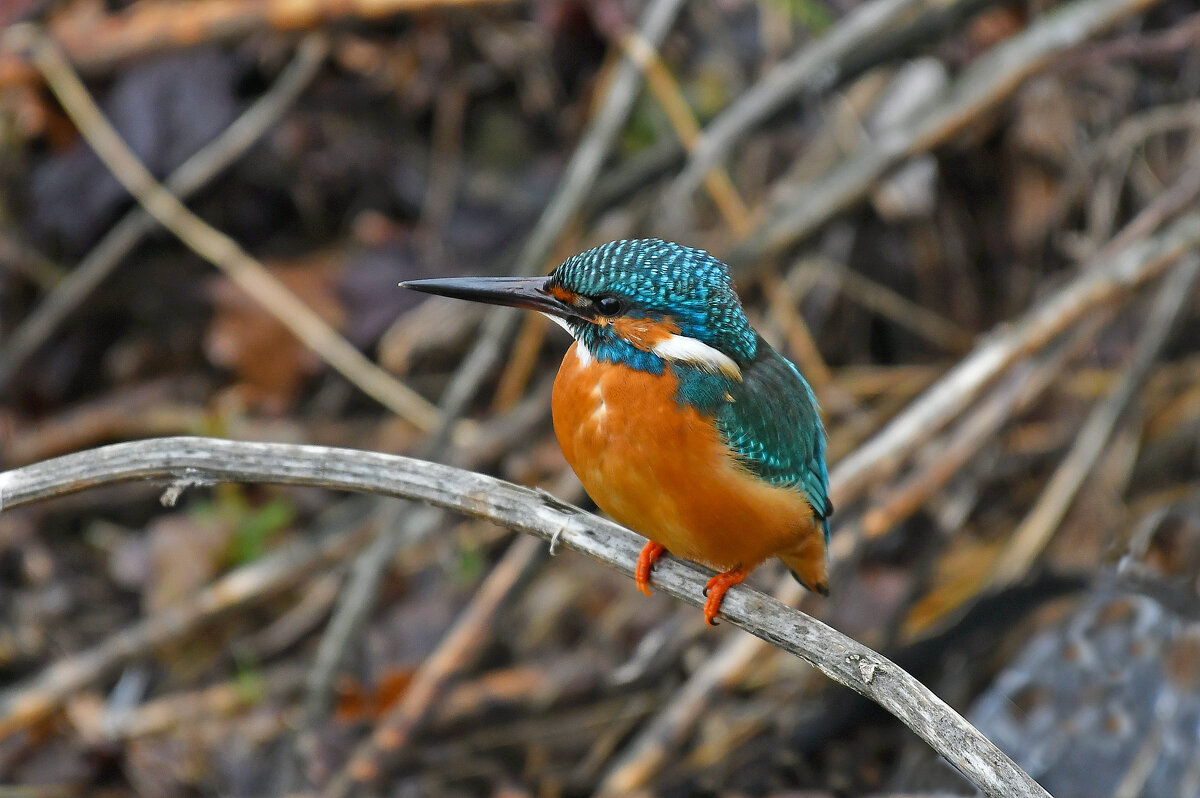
x: 898, y: 182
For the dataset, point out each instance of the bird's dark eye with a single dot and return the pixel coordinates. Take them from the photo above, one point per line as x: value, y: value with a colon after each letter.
x: 609, y: 305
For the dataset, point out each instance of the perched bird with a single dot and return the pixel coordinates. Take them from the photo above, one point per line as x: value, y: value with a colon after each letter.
x: 681, y: 422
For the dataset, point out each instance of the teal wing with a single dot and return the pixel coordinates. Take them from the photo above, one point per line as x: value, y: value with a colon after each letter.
x: 774, y: 426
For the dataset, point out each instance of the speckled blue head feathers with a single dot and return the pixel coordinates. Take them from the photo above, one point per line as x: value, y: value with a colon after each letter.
x: 658, y: 280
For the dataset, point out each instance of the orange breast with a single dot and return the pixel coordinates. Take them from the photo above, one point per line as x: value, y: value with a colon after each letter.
x: 663, y: 471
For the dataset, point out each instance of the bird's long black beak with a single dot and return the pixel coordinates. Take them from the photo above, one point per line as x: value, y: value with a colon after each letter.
x: 517, y: 292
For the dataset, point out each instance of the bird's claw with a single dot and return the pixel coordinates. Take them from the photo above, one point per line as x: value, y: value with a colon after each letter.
x: 645, y: 564
x: 715, y: 590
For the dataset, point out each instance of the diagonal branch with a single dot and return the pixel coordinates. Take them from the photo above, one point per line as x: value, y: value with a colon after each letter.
x: 189, y: 178
x: 1104, y: 278
x: 1030, y: 539
x: 990, y: 79
x: 203, y: 460
x: 208, y: 242
x: 97, y: 42
x: 581, y: 173
x: 809, y: 71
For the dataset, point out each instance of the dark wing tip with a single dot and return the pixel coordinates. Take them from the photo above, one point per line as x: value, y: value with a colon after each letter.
x: 821, y: 588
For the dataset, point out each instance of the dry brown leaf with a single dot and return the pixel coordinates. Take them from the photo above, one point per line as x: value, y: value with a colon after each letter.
x: 185, y: 553
x: 270, y: 363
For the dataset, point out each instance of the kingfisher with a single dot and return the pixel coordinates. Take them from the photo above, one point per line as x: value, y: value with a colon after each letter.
x: 681, y: 422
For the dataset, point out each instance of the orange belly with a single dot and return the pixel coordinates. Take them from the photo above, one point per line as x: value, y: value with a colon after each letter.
x: 663, y: 471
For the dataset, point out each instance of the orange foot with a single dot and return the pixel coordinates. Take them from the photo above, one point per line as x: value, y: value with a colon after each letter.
x: 650, y: 553
x: 715, y: 592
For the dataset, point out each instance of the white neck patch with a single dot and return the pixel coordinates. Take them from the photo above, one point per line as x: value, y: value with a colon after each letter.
x: 581, y: 351
x: 699, y: 354
x: 561, y: 322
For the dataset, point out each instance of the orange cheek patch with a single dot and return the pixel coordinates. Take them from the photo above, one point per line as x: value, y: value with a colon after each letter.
x: 562, y: 294
x: 644, y: 333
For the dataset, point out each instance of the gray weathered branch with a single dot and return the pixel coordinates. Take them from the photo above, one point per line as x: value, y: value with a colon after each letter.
x: 200, y: 461
x: 988, y: 81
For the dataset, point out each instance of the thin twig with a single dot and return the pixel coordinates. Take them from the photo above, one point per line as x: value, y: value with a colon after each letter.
x: 810, y: 70
x: 522, y: 362
x: 569, y: 197
x: 722, y: 192
x: 36, y: 698
x: 95, y: 44
x: 399, y: 527
x: 1096, y: 283
x: 946, y: 456
x: 1181, y: 34
x: 665, y: 90
x: 892, y: 305
x: 837, y: 656
x: 433, y: 677
x: 888, y: 449
x: 210, y: 243
x: 1038, y: 527
x: 1180, y: 195
x: 194, y: 174
x: 991, y: 79
x: 431, y: 681
x: 1131, y: 134
x: 362, y: 584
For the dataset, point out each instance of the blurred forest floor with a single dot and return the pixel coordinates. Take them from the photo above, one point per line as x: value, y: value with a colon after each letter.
x: 971, y: 223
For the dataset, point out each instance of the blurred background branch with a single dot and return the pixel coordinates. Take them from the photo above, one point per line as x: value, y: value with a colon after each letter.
x: 198, y: 461
x: 968, y: 222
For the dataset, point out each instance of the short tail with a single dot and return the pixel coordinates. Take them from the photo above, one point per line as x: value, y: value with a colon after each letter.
x: 809, y: 563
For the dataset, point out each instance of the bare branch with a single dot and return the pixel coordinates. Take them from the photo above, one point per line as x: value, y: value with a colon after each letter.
x: 580, y: 175
x: 189, y: 178
x: 988, y: 81
x: 809, y: 71
x: 96, y: 42
x: 433, y: 679
x: 208, y: 242
x: 1038, y: 527
x: 201, y: 460
x: 285, y: 568
x: 1099, y: 282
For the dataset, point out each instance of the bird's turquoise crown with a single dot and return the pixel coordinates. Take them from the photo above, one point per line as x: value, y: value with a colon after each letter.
x: 658, y: 279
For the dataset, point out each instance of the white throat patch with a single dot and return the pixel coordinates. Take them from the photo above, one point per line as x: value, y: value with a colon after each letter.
x: 561, y: 322
x: 581, y: 351
x: 698, y: 354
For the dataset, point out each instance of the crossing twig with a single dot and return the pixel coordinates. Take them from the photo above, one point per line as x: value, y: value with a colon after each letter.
x: 992, y: 78
x: 837, y: 656
x: 189, y: 178
x: 210, y: 243
x: 569, y: 197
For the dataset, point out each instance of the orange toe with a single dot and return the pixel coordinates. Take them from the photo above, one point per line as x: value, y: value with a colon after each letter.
x: 716, y: 589
x: 645, y: 564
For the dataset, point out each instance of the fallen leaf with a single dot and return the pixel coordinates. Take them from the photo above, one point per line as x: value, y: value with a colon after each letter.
x: 269, y: 361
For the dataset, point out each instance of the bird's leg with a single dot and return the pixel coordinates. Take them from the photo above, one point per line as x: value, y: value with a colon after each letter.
x: 650, y: 553
x: 715, y: 592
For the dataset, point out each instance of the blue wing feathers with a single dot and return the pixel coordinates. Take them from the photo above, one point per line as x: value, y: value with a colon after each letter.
x: 774, y: 427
